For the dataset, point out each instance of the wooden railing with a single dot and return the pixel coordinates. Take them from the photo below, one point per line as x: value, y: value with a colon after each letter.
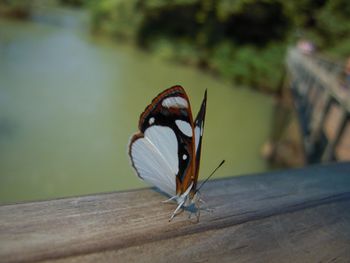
x: 323, y: 104
x: 288, y: 216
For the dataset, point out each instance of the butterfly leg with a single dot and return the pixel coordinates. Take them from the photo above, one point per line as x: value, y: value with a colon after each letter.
x: 198, y: 213
x: 207, y: 209
x: 198, y: 208
x: 176, y: 210
x: 170, y: 199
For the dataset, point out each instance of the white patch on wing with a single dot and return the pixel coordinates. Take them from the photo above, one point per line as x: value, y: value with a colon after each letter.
x: 151, y: 120
x: 175, y: 102
x: 197, y: 136
x: 184, y: 127
x: 155, y: 158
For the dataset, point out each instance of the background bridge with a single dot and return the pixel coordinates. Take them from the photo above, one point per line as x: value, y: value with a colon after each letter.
x: 322, y: 101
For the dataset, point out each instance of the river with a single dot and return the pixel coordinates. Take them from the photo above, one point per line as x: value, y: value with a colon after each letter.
x: 69, y: 102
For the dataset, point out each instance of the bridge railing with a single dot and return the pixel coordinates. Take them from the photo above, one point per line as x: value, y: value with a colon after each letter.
x: 333, y: 67
x: 323, y: 104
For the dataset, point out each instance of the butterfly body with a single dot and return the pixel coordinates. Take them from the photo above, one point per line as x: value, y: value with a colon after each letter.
x: 166, y: 150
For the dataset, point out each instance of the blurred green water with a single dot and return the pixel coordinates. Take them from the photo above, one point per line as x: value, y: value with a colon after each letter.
x: 70, y: 101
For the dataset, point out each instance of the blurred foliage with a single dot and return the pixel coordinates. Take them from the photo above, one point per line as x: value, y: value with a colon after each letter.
x: 119, y: 17
x: 243, y: 41
x: 334, y: 27
x: 14, y: 8
x: 74, y: 3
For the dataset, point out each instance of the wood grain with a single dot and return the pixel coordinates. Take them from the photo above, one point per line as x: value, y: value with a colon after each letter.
x: 288, y: 216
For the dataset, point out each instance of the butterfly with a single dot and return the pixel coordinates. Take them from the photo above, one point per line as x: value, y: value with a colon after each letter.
x: 166, y: 150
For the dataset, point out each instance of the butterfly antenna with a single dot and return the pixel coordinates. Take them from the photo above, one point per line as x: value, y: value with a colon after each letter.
x: 222, y: 162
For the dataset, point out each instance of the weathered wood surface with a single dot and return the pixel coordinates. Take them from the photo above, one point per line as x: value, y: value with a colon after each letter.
x: 288, y: 216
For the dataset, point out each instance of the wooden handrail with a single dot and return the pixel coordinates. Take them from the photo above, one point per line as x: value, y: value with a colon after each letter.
x: 298, y: 215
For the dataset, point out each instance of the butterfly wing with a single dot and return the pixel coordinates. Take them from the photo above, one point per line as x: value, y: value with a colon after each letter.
x: 153, y: 156
x: 198, y: 132
x: 163, y: 153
